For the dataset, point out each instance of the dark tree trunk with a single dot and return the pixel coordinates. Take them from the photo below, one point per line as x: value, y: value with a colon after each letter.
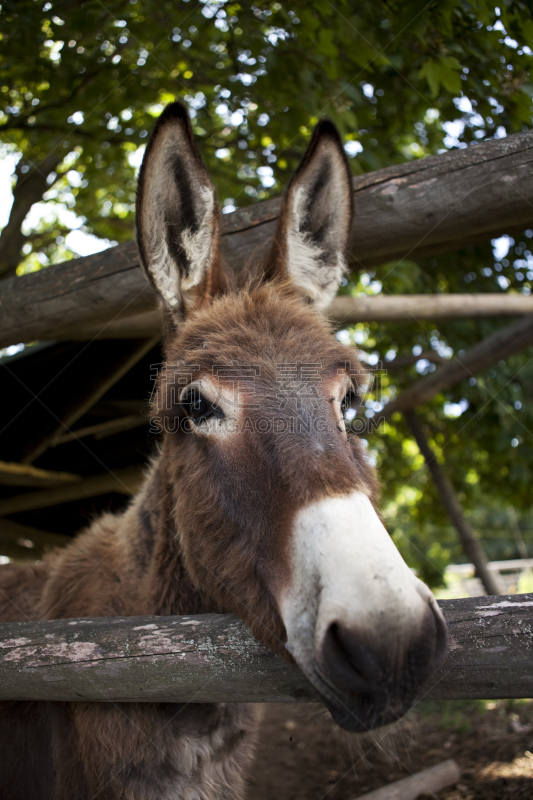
x: 28, y: 190
x: 471, y: 545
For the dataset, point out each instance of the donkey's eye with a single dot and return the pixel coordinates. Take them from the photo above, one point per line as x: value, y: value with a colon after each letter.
x: 349, y: 404
x: 198, y: 408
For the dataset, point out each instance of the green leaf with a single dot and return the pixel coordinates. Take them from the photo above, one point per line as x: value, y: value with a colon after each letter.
x: 325, y: 43
x: 430, y: 71
x: 527, y: 30
x: 527, y: 88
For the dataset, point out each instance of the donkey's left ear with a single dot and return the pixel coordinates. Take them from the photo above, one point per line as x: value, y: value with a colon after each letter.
x: 177, y: 216
x: 315, y: 220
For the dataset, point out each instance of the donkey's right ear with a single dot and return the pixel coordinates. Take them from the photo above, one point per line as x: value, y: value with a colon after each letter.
x: 177, y: 217
x: 315, y: 221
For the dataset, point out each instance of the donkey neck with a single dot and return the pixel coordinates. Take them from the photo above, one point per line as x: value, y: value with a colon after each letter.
x: 170, y: 589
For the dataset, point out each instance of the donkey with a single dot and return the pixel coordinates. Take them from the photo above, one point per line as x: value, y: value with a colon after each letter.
x: 258, y: 502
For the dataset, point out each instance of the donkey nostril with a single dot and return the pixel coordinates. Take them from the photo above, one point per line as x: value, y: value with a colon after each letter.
x: 347, y: 660
x: 343, y: 651
x: 372, y: 676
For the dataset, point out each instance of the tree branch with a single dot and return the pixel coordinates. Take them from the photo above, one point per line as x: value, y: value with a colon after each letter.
x: 76, y: 130
x: 450, y: 501
x: 498, y: 346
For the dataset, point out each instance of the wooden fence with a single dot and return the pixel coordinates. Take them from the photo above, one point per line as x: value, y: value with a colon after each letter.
x: 515, y: 575
x: 213, y: 658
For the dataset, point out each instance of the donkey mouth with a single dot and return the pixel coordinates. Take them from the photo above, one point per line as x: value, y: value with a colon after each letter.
x: 364, y: 711
x: 366, y: 715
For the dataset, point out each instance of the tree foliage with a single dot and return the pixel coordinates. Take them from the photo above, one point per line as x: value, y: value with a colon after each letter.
x: 82, y: 83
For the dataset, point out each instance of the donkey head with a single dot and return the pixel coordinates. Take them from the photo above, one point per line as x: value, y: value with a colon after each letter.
x: 272, y: 500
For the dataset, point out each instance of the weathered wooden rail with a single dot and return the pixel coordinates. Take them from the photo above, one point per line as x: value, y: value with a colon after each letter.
x: 345, y: 311
x: 433, y: 205
x: 213, y: 658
